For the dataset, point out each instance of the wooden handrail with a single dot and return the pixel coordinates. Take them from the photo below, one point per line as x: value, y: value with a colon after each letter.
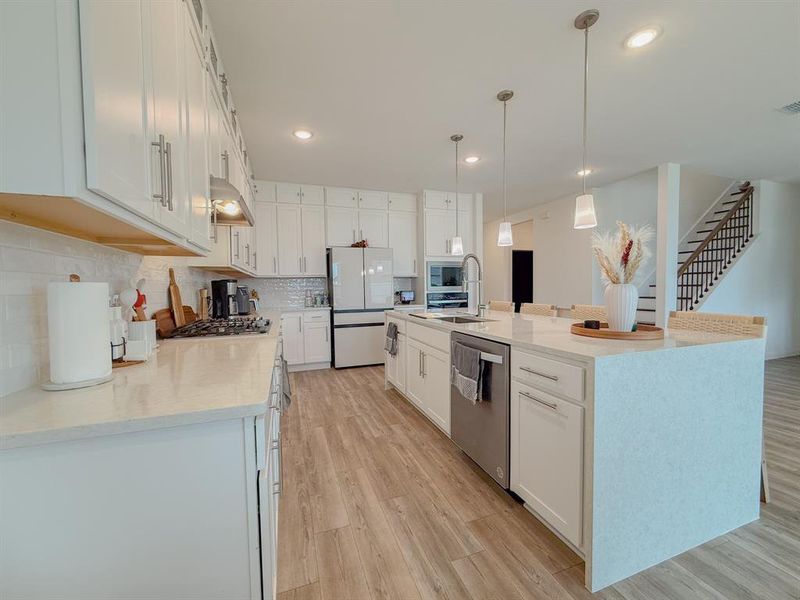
x: 746, y: 194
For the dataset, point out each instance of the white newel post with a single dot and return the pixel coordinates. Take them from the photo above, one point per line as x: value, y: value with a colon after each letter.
x: 669, y: 184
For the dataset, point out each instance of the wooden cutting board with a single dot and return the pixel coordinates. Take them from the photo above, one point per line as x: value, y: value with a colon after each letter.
x: 175, y: 300
x: 189, y: 316
x: 165, y: 324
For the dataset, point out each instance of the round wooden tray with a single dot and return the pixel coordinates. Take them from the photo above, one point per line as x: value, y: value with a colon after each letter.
x: 643, y: 332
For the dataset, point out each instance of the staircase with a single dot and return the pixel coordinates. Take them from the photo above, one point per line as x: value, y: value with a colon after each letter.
x: 706, y: 254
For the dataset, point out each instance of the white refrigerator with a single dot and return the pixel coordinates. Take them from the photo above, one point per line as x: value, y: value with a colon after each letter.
x: 361, y: 287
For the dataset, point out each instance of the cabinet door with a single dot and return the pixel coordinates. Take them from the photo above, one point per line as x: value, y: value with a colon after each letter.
x: 415, y: 384
x: 402, y: 201
x: 440, y: 227
x: 436, y: 376
x: 293, y: 341
x: 288, y: 193
x: 313, y: 225
x: 117, y: 142
x: 214, y: 124
x: 403, y: 242
x: 465, y: 230
x: 343, y: 197
x: 374, y: 200
x: 547, y: 457
x: 316, y: 338
x: 289, y: 240
x: 265, y: 257
x: 341, y: 225
x: 166, y: 66
x: 238, y: 246
x: 312, y: 194
x: 435, y: 199
x: 249, y: 250
x: 396, y: 365
x: 196, y: 151
x: 373, y: 226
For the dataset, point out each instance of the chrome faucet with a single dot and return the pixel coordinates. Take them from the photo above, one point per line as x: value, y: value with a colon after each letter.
x: 465, y: 281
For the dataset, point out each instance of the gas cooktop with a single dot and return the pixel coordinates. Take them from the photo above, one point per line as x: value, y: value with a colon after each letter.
x: 218, y: 327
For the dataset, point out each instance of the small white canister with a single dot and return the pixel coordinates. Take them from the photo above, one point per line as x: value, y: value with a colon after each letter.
x: 79, y: 337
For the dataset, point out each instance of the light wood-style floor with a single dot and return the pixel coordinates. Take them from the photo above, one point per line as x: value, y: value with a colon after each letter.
x: 377, y: 503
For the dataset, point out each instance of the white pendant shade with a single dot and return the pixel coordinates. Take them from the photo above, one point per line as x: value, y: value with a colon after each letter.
x: 457, y: 246
x: 584, y: 212
x: 504, y: 237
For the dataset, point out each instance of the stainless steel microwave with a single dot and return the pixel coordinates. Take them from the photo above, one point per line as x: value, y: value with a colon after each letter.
x: 443, y: 276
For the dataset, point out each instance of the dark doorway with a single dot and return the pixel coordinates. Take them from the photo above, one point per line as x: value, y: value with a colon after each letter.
x: 521, y: 277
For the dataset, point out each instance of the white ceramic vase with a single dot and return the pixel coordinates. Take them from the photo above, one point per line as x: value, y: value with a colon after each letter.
x: 622, y: 299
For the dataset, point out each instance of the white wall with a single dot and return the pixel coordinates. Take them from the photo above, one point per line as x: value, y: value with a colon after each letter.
x: 698, y: 192
x: 765, y: 281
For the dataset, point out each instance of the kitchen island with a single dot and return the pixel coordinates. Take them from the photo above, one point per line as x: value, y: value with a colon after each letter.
x: 162, y: 483
x: 630, y: 452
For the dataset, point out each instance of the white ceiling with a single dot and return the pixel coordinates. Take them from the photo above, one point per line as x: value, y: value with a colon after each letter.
x: 384, y: 84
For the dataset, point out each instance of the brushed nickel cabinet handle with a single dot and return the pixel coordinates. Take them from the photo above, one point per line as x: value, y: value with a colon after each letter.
x: 274, y: 264
x: 550, y: 405
x: 545, y: 375
x: 255, y: 260
x: 236, y: 254
x: 305, y: 264
x: 168, y: 160
x: 162, y: 163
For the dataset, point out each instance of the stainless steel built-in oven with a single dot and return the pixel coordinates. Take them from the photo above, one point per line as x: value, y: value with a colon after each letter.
x: 443, y: 276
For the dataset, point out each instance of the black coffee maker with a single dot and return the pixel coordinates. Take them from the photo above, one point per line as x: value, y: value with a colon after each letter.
x: 223, y: 298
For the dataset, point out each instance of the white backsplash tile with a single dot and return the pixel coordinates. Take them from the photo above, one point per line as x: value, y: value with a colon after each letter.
x: 30, y: 258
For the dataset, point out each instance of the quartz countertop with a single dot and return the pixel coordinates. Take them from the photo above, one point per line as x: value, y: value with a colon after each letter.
x: 552, y: 335
x: 187, y: 381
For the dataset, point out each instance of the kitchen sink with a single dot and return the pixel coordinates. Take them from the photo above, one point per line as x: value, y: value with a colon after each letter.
x: 459, y: 319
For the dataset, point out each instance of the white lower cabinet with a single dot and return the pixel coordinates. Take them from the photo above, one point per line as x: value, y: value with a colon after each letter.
x: 428, y: 381
x: 396, y: 365
x: 547, y: 457
x: 306, y: 338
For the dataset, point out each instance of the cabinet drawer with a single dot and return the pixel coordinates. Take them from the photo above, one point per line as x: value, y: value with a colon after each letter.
x: 546, y: 374
x: 316, y: 316
x: 433, y: 337
x: 401, y: 325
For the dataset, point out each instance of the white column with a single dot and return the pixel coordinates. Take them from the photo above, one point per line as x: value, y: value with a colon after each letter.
x: 669, y: 184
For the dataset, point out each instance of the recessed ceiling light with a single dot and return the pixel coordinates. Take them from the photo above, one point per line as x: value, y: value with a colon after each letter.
x: 471, y: 160
x: 641, y: 38
x: 584, y: 172
x: 302, y: 134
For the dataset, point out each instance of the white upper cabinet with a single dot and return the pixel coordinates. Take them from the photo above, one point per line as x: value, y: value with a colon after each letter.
x: 295, y: 193
x: 196, y: 133
x: 403, y: 242
x: 343, y: 197
x: 290, y: 235
x: 313, y: 226
x: 373, y: 226
x: 402, y: 201
x: 341, y: 225
x: 265, y: 191
x: 265, y: 257
x: 434, y: 199
x: 114, y: 99
x: 466, y: 230
x: 164, y: 24
x: 288, y: 193
x: 375, y: 200
x: 312, y: 194
x: 440, y: 227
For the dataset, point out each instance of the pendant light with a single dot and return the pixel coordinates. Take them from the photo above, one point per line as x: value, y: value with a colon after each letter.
x: 456, y: 245
x: 585, y: 217
x: 504, y: 236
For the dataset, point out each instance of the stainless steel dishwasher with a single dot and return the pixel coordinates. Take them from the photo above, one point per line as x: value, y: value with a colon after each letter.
x: 481, y: 430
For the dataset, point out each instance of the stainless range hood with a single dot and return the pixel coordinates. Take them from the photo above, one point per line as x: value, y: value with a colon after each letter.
x: 223, y: 193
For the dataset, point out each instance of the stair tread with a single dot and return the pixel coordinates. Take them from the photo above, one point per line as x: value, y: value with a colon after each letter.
x: 652, y: 323
x: 647, y: 297
x: 646, y: 309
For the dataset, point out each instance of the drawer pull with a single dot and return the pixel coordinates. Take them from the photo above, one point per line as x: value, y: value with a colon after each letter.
x: 550, y: 405
x: 545, y: 375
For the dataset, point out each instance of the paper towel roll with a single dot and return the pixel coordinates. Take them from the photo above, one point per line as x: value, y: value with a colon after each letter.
x: 77, y: 317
